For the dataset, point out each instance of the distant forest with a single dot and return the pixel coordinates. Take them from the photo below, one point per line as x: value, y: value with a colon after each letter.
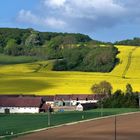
x: 16, y: 42
x: 72, y: 51
x: 130, y: 42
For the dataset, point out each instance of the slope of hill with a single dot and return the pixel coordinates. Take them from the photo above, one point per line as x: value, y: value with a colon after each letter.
x: 134, y: 70
x: 37, y: 78
x: 130, y: 42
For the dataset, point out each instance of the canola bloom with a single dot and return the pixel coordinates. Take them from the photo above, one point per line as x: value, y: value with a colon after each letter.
x: 37, y: 78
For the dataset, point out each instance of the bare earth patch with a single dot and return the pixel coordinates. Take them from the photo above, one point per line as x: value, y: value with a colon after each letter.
x: 128, y: 128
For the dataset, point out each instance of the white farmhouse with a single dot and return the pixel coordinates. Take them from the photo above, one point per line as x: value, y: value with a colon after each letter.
x: 20, y: 104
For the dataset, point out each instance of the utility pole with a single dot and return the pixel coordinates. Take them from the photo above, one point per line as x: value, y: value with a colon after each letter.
x: 101, y: 106
x: 49, y: 116
x: 115, y: 126
x: 139, y: 100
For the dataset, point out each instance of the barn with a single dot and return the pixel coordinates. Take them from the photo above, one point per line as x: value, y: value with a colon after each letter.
x: 21, y: 104
x: 37, y: 104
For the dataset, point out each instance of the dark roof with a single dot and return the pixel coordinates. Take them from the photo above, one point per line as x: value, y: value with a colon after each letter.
x: 62, y: 97
x: 74, y: 97
x: 48, y: 98
x: 82, y: 97
x: 35, y: 101
x: 20, y: 101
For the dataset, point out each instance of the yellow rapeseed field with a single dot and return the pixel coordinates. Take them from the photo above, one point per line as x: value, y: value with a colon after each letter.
x: 37, y: 78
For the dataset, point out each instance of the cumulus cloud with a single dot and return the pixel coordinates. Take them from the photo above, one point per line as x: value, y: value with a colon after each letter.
x: 54, y: 3
x: 82, y: 15
x: 29, y: 17
x: 87, y: 15
x: 53, y: 22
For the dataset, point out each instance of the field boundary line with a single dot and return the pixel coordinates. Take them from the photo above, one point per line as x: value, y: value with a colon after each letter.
x: 105, y: 117
x: 68, y: 124
x: 129, y: 61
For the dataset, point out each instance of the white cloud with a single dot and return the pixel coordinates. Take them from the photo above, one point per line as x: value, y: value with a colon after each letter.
x: 29, y: 17
x: 54, y: 3
x: 86, y: 8
x: 53, y: 22
x: 82, y: 15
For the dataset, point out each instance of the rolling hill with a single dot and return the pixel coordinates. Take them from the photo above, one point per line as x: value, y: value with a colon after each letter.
x: 37, y: 77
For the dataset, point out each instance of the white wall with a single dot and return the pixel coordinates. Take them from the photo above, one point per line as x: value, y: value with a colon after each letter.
x: 73, y: 102
x: 79, y: 107
x: 20, y: 109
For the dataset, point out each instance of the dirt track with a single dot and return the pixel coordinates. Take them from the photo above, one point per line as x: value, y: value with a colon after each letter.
x: 128, y: 128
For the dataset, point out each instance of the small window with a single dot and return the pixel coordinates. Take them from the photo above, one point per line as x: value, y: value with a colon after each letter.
x: 64, y: 103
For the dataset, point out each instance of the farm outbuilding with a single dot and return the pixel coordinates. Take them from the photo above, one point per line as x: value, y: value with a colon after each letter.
x: 74, y: 100
x: 37, y: 104
x: 20, y: 104
x: 86, y: 106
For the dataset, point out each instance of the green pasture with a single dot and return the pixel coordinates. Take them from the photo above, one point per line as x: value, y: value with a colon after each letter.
x: 6, y: 59
x: 17, y: 123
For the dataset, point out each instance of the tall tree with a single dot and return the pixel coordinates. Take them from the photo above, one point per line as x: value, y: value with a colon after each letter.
x: 11, y: 47
x: 103, y: 88
x: 33, y: 40
x: 129, y: 89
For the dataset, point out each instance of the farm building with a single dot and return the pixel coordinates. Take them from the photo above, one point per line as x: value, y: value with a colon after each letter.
x: 73, y: 100
x: 86, y: 106
x: 70, y: 102
x: 21, y: 104
x: 37, y: 104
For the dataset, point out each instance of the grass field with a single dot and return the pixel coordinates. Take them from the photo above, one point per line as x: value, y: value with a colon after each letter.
x: 18, y: 123
x: 6, y: 59
x: 37, y: 77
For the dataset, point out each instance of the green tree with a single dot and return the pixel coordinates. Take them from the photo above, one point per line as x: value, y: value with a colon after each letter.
x: 129, y: 89
x: 11, y: 47
x: 33, y: 40
x: 103, y: 88
x: 96, y: 89
x: 69, y: 41
x: 54, y: 50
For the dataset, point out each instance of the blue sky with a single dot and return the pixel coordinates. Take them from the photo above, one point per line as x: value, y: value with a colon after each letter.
x: 106, y: 20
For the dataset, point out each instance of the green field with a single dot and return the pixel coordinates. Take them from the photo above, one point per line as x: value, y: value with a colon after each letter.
x: 18, y: 123
x: 6, y: 59
x: 37, y: 77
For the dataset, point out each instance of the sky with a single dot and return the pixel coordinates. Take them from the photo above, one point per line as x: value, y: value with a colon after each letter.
x: 105, y: 20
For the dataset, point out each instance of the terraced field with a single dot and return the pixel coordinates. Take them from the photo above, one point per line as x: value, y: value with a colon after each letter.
x: 37, y: 77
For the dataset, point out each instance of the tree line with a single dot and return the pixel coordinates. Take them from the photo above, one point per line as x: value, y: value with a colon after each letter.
x: 14, y: 41
x: 118, y: 99
x: 130, y: 42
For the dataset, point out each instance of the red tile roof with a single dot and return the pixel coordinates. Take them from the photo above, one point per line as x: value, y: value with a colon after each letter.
x: 35, y: 101
x: 74, y: 97
x: 82, y: 97
x: 20, y: 101
x: 62, y: 97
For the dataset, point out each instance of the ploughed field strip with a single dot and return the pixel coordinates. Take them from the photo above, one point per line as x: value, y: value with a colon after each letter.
x: 128, y: 128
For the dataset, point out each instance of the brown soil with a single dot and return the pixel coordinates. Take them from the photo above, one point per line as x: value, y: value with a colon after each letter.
x: 128, y: 128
